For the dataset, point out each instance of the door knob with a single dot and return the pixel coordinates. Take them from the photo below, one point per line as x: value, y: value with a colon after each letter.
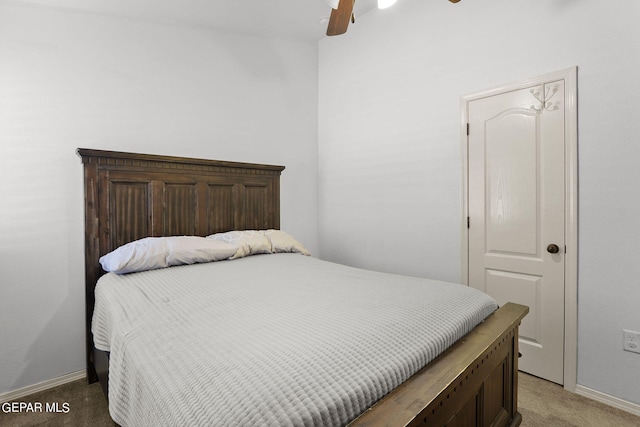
x: 553, y: 249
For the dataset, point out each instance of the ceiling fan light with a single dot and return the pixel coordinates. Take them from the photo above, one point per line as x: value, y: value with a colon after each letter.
x: 332, y: 3
x: 383, y: 4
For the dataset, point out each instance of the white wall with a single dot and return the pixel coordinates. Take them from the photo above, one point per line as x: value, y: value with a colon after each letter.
x: 71, y: 80
x: 389, y: 145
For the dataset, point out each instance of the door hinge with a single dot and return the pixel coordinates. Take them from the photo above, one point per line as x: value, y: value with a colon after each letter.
x: 467, y: 129
x: 468, y: 222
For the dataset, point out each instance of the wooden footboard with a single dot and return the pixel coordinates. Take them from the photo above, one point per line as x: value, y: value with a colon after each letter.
x: 474, y: 383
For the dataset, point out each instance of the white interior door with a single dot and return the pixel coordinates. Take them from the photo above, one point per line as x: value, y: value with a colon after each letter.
x: 516, y: 200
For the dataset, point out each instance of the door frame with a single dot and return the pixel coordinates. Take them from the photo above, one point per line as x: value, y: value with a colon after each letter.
x: 569, y: 75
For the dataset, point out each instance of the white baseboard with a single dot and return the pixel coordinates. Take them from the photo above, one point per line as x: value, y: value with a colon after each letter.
x: 45, y: 385
x: 608, y: 400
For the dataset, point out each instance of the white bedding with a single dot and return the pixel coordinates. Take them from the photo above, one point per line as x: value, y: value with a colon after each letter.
x: 278, y: 339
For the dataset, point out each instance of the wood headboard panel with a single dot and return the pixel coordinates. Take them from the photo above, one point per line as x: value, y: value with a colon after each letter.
x: 130, y: 196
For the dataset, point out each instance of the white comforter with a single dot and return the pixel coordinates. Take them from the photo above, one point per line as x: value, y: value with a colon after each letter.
x: 278, y: 339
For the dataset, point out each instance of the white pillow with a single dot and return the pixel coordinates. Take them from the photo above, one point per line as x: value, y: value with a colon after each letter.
x: 193, y: 249
x: 282, y: 241
x: 152, y: 253
x: 249, y: 242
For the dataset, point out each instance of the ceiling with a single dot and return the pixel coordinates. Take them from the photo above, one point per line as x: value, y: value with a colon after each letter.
x: 298, y: 19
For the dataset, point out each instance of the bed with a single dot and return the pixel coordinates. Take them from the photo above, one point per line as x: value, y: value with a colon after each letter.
x: 131, y: 196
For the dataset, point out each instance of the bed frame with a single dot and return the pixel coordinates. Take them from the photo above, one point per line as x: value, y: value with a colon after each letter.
x: 130, y: 196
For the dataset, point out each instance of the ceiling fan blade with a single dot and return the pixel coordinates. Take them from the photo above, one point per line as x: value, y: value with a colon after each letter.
x: 340, y: 17
x: 454, y: 1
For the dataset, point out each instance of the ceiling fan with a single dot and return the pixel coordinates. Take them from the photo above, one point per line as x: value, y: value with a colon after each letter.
x: 342, y: 14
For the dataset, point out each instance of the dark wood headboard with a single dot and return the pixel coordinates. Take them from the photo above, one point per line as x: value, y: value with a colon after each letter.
x: 129, y: 196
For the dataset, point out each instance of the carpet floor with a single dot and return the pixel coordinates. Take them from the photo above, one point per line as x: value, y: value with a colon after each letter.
x: 541, y: 403
x: 545, y: 404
